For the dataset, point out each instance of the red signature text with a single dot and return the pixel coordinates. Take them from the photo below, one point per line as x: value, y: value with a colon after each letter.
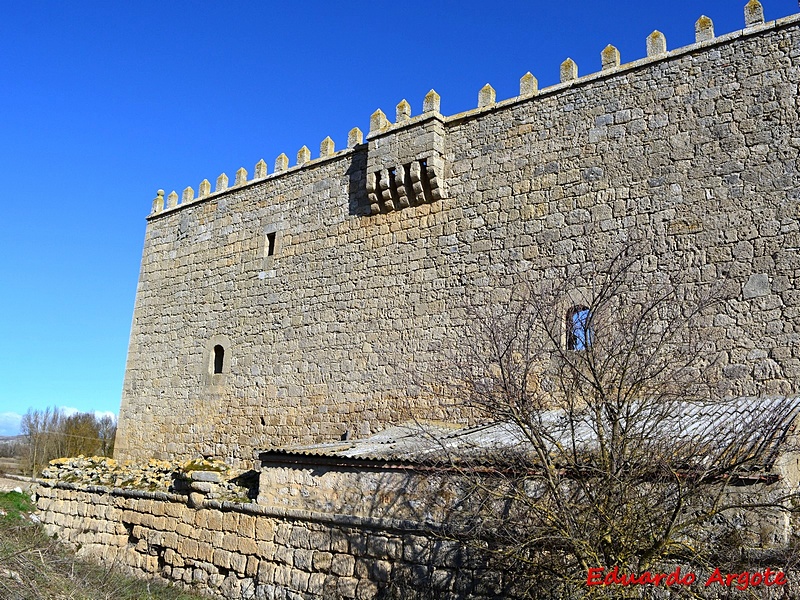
x: 741, y: 581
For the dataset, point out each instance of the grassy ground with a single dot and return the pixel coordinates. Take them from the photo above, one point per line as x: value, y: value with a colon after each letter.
x: 35, y: 567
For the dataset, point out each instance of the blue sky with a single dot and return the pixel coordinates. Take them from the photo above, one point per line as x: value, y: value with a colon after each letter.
x: 104, y: 102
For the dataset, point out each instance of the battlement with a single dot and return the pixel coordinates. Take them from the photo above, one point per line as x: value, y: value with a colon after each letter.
x: 406, y: 164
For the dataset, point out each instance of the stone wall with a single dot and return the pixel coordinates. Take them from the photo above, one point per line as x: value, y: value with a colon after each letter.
x: 328, y: 286
x: 241, y: 551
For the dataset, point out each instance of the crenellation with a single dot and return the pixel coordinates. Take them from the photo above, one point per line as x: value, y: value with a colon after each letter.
x: 528, y: 85
x: 609, y: 57
x: 403, y: 111
x: 303, y: 155
x: 281, y: 163
x: 378, y: 122
x: 260, y: 170
x: 327, y: 147
x: 355, y: 137
x: 656, y: 50
x: 703, y: 29
x: 205, y: 188
x: 753, y: 14
x: 486, y: 96
x: 432, y: 102
x: 188, y: 195
x: 656, y: 44
x: 172, y: 200
x: 568, y: 70
x: 222, y: 183
x: 241, y: 177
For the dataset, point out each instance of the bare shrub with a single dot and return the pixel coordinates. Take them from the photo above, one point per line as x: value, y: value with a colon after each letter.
x: 610, y: 446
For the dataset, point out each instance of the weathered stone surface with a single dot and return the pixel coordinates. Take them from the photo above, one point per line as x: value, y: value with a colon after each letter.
x: 569, y: 70
x: 703, y: 29
x: 210, y: 476
x: 753, y: 13
x: 188, y: 195
x: 158, y: 202
x: 756, y: 286
x: 241, y: 177
x: 261, y: 169
x: 656, y: 44
x: 528, y: 85
x: 327, y: 147
x: 432, y: 102
x: 222, y: 183
x: 204, y: 189
x: 303, y: 155
x: 355, y: 137
x: 378, y: 122
x: 487, y: 96
x: 281, y: 163
x: 609, y: 57
x: 403, y: 111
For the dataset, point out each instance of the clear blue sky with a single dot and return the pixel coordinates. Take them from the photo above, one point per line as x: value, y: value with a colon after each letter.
x: 102, y: 103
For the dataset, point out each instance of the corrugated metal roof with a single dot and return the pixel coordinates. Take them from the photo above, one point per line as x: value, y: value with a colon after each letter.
x: 757, y: 425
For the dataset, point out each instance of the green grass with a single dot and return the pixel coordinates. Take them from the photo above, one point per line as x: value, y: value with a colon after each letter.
x: 15, y: 506
x: 36, y: 567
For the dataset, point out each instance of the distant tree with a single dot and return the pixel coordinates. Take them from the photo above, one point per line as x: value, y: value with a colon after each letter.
x: 51, y: 434
x: 106, y: 433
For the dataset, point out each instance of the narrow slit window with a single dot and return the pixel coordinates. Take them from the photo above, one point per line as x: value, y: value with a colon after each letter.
x: 219, y: 358
x: 270, y: 243
x: 579, y: 328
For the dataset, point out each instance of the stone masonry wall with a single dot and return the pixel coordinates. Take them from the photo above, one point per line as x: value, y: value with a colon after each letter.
x: 242, y: 551
x: 328, y: 285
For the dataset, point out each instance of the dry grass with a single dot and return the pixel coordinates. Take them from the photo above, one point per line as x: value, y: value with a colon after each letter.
x: 36, y: 567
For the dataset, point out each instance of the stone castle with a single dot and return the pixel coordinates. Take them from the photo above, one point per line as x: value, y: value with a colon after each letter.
x: 294, y: 307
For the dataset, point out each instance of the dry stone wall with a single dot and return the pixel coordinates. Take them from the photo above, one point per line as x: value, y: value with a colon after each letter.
x: 243, y: 551
x: 297, y: 307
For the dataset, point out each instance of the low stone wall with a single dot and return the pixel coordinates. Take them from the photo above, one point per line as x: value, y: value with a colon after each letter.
x: 237, y: 550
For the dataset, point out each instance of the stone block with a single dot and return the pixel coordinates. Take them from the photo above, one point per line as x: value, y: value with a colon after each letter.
x: 303, y: 155
x: 346, y: 587
x: 222, y: 183
x: 238, y: 563
x: 230, y: 542
x: 378, y: 122
x: 753, y: 13
x: 703, y: 29
x: 528, y: 85
x: 230, y: 521
x: 403, y: 111
x: 656, y: 44
x: 327, y: 147
x: 265, y: 529
x: 342, y: 565
x: 247, y: 545
x: 568, y: 70
x: 214, y: 520
x: 209, y: 476
x: 487, y: 96
x: 260, y: 169
x: 221, y: 558
x: 354, y: 137
x: 757, y: 285
x: 609, y: 57
x: 432, y: 102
